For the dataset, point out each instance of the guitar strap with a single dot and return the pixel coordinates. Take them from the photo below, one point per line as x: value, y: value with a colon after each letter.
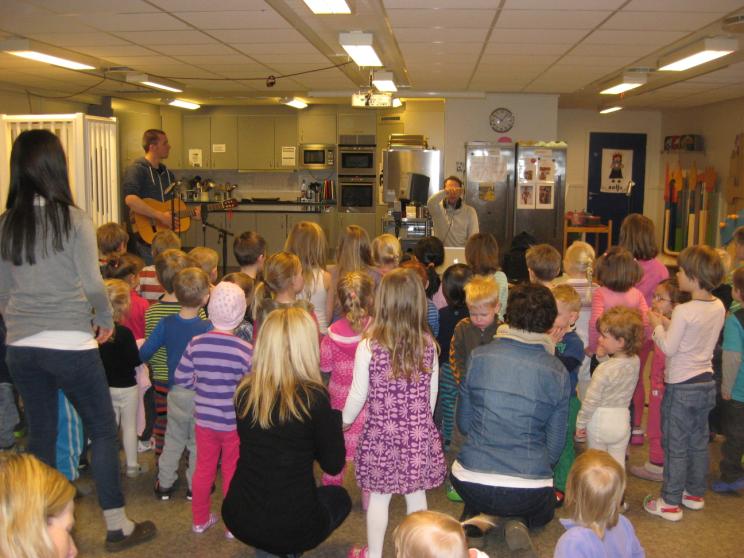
x: 160, y: 181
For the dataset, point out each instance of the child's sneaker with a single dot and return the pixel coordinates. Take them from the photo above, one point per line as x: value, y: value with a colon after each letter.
x: 189, y: 495
x: 636, y: 437
x: 199, y: 529
x: 162, y: 493
x: 229, y: 536
x: 560, y: 497
x: 692, y: 502
x: 134, y: 472
x: 648, y: 471
x: 452, y: 494
x: 721, y: 486
x: 357, y: 552
x: 657, y: 506
x: 142, y: 447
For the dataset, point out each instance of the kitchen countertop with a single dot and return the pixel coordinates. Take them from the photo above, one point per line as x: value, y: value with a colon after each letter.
x: 268, y: 205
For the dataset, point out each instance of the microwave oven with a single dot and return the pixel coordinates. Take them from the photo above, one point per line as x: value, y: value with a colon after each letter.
x: 317, y: 156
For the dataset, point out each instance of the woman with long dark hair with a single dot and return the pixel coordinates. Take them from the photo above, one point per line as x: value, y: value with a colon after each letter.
x: 56, y: 310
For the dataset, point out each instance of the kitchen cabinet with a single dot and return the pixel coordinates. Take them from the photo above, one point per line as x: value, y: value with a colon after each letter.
x: 362, y: 122
x: 197, y: 135
x: 367, y: 221
x: 273, y: 227
x: 317, y: 128
x: 224, y: 137
x: 261, y: 138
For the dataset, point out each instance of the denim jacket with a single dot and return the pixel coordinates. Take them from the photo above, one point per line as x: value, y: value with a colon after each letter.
x: 513, y: 406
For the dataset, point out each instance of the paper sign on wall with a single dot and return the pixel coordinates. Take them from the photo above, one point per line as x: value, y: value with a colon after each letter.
x: 195, y: 157
x: 288, y: 155
x: 219, y: 148
x: 617, y: 170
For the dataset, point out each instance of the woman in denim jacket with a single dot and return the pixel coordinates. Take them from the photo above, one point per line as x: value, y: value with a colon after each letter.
x: 513, y: 408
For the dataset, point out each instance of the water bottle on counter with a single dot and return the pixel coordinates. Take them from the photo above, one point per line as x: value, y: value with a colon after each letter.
x: 303, y: 190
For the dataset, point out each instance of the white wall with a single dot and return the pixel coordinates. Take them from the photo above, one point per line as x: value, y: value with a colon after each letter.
x: 574, y: 127
x: 536, y: 118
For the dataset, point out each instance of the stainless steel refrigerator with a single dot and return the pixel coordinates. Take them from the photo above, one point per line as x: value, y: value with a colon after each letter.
x: 516, y: 188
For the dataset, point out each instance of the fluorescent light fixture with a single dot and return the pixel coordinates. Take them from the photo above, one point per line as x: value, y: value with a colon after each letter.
x: 33, y: 50
x: 608, y: 110
x: 156, y: 83
x: 359, y: 46
x: 295, y: 102
x: 698, y: 53
x: 323, y: 7
x: 397, y: 103
x: 181, y: 103
x: 626, y: 83
x: 384, y: 82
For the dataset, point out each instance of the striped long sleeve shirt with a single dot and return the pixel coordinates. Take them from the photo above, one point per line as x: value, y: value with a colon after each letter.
x: 213, y: 365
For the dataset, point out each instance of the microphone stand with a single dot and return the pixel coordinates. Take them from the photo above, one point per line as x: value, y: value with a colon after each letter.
x: 222, y: 238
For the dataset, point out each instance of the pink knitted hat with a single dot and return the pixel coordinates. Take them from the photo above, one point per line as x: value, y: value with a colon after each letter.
x: 226, y: 306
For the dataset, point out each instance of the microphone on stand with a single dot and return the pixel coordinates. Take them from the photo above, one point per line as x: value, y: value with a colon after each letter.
x: 629, y: 188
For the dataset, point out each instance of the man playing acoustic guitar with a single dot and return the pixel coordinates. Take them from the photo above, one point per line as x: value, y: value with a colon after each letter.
x: 148, y: 177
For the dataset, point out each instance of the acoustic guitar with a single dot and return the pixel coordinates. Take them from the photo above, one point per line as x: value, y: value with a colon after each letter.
x: 147, y: 227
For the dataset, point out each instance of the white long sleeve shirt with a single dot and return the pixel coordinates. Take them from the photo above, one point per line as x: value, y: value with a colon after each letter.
x: 689, y: 342
x: 360, y: 384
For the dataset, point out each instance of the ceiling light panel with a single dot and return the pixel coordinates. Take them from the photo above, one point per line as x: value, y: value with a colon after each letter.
x: 625, y: 83
x: 328, y: 7
x: 40, y: 52
x: 698, y: 53
x: 182, y: 103
x: 609, y: 110
x: 360, y: 47
x: 384, y: 81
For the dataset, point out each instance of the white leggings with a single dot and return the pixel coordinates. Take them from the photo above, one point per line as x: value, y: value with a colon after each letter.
x: 125, y: 411
x: 609, y: 430
x: 377, y: 517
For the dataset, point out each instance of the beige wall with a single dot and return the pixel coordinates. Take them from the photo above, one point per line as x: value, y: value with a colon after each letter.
x: 18, y: 102
x: 574, y: 127
x: 134, y: 118
x: 536, y: 118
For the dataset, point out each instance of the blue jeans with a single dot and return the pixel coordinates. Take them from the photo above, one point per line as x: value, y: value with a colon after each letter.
x: 533, y: 506
x: 8, y: 416
x: 684, y: 437
x: 37, y: 374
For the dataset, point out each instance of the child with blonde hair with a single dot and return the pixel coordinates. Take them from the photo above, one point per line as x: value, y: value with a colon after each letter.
x: 356, y: 294
x: 213, y: 365
x: 596, y: 526
x: 352, y: 254
x: 688, y: 341
x: 208, y: 259
x: 578, y: 267
x: 120, y: 358
x: 616, y: 272
x: 308, y: 242
x: 430, y: 534
x: 396, y: 373
x: 282, y: 282
x: 604, y: 416
x: 149, y: 286
x: 386, y: 254
x: 666, y: 297
x: 638, y: 236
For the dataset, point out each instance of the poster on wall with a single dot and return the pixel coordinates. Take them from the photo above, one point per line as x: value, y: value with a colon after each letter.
x: 545, y: 196
x: 526, y: 196
x: 617, y: 170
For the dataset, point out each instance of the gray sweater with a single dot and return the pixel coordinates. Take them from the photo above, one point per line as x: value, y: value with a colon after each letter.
x: 452, y: 226
x: 61, y: 291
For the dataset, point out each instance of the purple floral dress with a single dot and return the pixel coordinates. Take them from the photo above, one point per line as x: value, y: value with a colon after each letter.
x: 400, y: 450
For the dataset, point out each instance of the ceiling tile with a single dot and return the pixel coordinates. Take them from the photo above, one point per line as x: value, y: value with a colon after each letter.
x: 278, y: 48
x: 266, y: 36
x: 609, y: 61
x: 651, y: 38
x: 445, y: 18
x: 131, y: 22
x: 309, y: 58
x: 422, y: 59
x: 199, y: 5
x: 585, y: 49
x: 721, y: 6
x: 552, y: 36
x: 452, y: 35
x: 428, y: 4
x: 550, y: 19
x: 78, y: 39
x: 666, y: 21
x: 438, y: 48
x: 258, y: 19
x: 732, y: 74
x: 517, y: 60
x: 23, y: 18
x: 96, y: 6
x: 166, y: 37
x: 190, y: 49
x: 564, y: 4
x: 525, y: 48
x: 115, y: 51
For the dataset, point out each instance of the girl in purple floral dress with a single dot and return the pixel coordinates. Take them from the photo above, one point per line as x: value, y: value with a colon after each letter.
x: 355, y: 293
x: 396, y: 373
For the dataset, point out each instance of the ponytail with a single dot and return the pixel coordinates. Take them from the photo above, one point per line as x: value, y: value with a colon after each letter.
x: 355, y: 292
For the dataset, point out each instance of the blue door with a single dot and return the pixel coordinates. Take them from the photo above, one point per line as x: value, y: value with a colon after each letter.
x: 616, y: 161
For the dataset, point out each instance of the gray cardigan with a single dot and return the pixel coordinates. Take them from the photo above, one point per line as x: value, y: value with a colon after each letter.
x: 61, y: 291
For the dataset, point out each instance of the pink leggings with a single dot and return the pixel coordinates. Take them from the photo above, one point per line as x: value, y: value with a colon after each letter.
x: 639, y: 395
x: 209, y: 444
x: 655, y: 453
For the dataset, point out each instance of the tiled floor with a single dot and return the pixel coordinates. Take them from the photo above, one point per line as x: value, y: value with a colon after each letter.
x: 712, y: 533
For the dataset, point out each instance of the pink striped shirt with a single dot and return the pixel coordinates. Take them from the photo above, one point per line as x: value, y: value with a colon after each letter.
x: 604, y: 299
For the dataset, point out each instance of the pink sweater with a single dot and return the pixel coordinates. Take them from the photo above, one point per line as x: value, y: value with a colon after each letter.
x: 654, y: 272
x: 604, y: 299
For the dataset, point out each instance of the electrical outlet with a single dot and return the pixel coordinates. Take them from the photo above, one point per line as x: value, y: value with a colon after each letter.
x: 460, y: 165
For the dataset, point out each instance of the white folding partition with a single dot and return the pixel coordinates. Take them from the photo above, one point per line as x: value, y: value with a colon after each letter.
x: 90, y: 145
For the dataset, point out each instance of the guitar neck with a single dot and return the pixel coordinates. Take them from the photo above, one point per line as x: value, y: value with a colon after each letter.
x: 191, y: 212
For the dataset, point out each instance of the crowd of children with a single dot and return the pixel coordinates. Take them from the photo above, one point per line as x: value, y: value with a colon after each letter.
x: 395, y: 342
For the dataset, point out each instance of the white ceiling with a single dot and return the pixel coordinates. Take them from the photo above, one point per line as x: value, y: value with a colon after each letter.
x: 223, y: 51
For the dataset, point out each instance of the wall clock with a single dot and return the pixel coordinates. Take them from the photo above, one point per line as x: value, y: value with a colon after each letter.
x: 502, y: 120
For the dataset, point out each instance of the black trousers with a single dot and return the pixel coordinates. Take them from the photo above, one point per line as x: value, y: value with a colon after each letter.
x: 733, y: 448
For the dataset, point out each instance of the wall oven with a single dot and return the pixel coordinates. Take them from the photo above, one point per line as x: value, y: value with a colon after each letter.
x: 356, y: 194
x: 317, y: 156
x: 357, y: 160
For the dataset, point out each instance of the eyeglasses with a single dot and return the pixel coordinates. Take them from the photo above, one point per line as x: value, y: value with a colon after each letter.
x: 659, y: 297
